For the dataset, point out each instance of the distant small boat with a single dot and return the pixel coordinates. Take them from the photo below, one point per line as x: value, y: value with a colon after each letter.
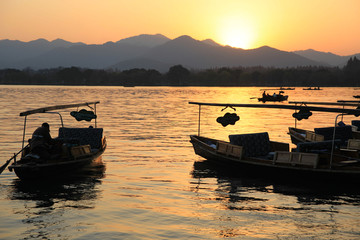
x: 280, y: 88
x: 314, y: 88
x: 273, y: 98
x: 356, y: 96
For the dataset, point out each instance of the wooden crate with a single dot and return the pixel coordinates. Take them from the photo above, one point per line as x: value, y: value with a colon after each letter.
x: 221, y: 147
x: 229, y: 149
x: 313, y: 137
x: 80, y: 150
x: 354, y: 144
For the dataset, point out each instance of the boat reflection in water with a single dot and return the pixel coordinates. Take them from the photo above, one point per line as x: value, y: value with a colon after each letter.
x: 47, y: 203
x: 305, y: 191
x: 256, y: 201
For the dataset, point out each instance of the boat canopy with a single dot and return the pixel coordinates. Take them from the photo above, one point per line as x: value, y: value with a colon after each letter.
x: 338, y: 103
x: 51, y: 108
x: 355, y: 112
x: 56, y: 107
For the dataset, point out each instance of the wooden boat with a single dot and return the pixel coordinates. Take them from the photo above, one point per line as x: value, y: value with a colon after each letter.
x: 281, y: 88
x: 287, y: 88
x: 256, y: 153
x: 298, y: 135
x: 273, y: 98
x: 314, y: 88
x: 79, y: 149
x: 342, y: 131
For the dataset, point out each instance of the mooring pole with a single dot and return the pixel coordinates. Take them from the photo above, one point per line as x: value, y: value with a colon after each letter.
x: 333, y: 140
x: 199, y: 120
x: 23, y: 141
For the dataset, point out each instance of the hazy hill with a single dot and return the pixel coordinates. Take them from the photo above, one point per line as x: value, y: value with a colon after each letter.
x: 329, y: 58
x: 211, y: 42
x: 13, y: 51
x: 153, y: 52
x: 59, y: 53
x: 146, y: 40
x: 145, y: 63
x: 196, y: 54
x: 85, y: 56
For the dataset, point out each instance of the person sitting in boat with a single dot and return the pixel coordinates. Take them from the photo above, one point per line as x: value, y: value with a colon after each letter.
x: 274, y: 95
x: 41, y: 141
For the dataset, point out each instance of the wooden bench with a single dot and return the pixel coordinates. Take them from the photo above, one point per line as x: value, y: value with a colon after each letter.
x: 229, y: 149
x: 296, y: 159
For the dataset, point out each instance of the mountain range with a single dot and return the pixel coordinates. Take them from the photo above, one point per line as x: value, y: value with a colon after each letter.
x: 154, y: 52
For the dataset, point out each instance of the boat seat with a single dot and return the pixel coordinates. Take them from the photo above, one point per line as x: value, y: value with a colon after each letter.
x: 344, y: 133
x: 323, y: 146
x: 254, y: 144
x: 356, y: 123
x: 296, y: 159
x: 85, y: 136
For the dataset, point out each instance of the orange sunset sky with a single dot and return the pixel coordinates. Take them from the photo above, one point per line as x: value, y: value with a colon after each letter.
x: 289, y: 25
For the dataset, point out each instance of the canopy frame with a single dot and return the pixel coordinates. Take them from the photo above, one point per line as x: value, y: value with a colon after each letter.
x: 51, y: 108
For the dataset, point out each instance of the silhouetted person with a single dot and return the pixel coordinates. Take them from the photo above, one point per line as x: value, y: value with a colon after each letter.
x: 41, y: 141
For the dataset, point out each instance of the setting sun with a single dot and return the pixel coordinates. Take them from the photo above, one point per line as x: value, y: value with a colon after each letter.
x: 237, y: 33
x: 323, y: 25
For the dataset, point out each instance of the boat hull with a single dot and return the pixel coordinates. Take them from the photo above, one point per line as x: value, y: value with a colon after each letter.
x: 297, y: 135
x: 57, y: 170
x: 270, y: 170
x: 278, y: 98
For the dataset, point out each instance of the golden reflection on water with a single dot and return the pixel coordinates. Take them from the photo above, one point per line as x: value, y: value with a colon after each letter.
x: 155, y: 187
x: 274, y: 121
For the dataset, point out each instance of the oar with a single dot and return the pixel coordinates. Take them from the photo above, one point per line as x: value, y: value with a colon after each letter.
x: 253, y: 97
x: 8, y: 161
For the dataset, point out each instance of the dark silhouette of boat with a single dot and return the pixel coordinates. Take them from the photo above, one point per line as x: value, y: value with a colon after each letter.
x: 273, y: 98
x: 314, y: 88
x: 74, y: 151
x: 255, y: 152
x: 340, y: 131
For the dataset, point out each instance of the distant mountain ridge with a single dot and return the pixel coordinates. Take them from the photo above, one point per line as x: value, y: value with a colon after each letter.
x: 153, y: 52
x: 325, y: 57
x: 146, y: 40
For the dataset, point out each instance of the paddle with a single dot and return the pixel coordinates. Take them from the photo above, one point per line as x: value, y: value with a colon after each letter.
x: 253, y: 97
x: 2, y: 168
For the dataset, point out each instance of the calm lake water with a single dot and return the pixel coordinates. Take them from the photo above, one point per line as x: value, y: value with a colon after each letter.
x: 154, y: 186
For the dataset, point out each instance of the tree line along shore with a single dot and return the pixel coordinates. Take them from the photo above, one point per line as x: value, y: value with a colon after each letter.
x: 348, y: 76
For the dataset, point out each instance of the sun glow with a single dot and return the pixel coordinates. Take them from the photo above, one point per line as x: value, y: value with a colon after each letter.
x: 237, y: 33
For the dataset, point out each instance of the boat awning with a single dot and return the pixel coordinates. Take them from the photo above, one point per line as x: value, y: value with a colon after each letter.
x: 338, y: 103
x: 355, y: 112
x: 56, y: 107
